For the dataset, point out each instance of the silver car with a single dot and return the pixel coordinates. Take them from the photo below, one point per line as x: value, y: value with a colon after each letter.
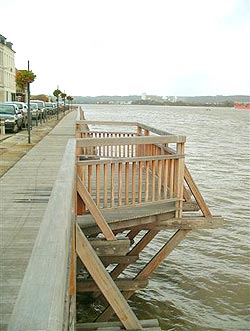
x: 23, y: 108
x: 35, y: 111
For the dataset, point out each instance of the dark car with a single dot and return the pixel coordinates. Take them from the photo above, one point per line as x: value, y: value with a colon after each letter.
x: 50, y: 107
x: 12, y: 116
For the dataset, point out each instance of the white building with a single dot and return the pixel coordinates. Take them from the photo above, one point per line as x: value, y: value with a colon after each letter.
x: 7, y: 71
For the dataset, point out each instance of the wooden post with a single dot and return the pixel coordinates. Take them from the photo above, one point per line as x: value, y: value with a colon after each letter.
x: 80, y: 205
x: 180, y: 180
x: 2, y: 126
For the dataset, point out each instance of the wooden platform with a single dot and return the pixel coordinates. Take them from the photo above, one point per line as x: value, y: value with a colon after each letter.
x: 129, y: 216
x: 25, y: 190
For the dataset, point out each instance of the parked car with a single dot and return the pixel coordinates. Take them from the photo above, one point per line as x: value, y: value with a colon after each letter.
x: 35, y: 111
x: 50, y: 107
x: 24, y: 111
x: 12, y: 116
x: 41, y: 106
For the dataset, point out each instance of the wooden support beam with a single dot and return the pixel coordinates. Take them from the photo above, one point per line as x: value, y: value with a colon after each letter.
x: 186, y: 195
x: 95, y: 212
x: 104, y: 281
x: 142, y: 223
x: 190, y: 223
x: 148, y: 325
x: 162, y: 254
x: 110, y: 247
x: 145, y: 240
x: 123, y: 284
x: 149, y: 268
x: 190, y: 206
x: 118, y: 259
x: 196, y: 193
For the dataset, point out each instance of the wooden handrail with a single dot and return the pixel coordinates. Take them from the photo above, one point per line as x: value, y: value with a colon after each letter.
x: 107, y: 160
x: 139, y: 140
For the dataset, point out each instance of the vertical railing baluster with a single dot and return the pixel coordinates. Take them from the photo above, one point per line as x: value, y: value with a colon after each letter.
x: 98, y: 183
x: 120, y: 184
x: 147, y: 182
x: 105, y: 188
x: 165, y: 178
x: 89, y: 178
x: 171, y: 178
x: 180, y: 178
x: 159, y: 178
x: 140, y: 182
x: 133, y: 182
x: 153, y: 180
x: 126, y: 183
x: 112, y: 188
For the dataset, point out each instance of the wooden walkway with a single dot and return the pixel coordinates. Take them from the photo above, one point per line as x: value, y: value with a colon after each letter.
x: 25, y: 190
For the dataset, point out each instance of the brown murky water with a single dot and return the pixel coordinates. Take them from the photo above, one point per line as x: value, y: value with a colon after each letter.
x: 204, y: 284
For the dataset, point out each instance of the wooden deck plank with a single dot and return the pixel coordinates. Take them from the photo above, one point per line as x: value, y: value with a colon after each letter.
x: 151, y: 323
x: 129, y: 212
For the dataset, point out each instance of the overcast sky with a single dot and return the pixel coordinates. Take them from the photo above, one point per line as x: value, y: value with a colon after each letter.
x: 122, y: 47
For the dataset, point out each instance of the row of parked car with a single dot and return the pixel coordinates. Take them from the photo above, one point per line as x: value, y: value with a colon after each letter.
x: 15, y: 113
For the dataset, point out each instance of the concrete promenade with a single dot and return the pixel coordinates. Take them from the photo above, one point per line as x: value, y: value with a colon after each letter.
x: 25, y: 190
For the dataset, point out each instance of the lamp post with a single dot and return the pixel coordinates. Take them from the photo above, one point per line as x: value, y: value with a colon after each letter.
x: 28, y: 92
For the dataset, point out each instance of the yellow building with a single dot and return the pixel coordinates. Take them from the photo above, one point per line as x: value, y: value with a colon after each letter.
x: 7, y: 71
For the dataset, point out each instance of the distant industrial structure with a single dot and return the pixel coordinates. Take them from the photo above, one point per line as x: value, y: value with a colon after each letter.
x: 7, y: 71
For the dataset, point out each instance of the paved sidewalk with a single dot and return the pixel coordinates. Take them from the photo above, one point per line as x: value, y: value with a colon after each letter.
x: 25, y: 190
x: 14, y: 146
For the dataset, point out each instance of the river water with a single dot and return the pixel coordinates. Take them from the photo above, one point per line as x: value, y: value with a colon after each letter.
x: 204, y: 283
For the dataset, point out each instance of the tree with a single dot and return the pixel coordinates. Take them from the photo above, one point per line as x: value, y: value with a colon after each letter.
x: 42, y: 97
x: 23, y: 77
x: 57, y: 93
x: 70, y: 99
x: 63, y: 96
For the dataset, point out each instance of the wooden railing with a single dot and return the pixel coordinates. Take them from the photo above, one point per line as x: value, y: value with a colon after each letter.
x: 130, y: 179
x: 130, y: 167
x: 169, y: 172
x: 46, y: 298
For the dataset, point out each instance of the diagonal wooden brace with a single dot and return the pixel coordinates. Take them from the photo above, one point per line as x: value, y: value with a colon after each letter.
x: 94, y: 210
x: 149, y: 268
x: 105, y: 282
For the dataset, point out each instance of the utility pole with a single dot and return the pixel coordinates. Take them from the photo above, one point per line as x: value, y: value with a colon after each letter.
x: 28, y: 92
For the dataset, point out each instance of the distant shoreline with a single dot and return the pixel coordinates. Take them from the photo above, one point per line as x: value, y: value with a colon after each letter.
x: 176, y: 104
x: 155, y: 100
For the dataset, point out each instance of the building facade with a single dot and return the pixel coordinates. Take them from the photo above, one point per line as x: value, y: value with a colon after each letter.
x: 7, y: 71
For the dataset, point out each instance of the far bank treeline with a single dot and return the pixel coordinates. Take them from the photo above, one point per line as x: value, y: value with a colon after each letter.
x: 208, y: 101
